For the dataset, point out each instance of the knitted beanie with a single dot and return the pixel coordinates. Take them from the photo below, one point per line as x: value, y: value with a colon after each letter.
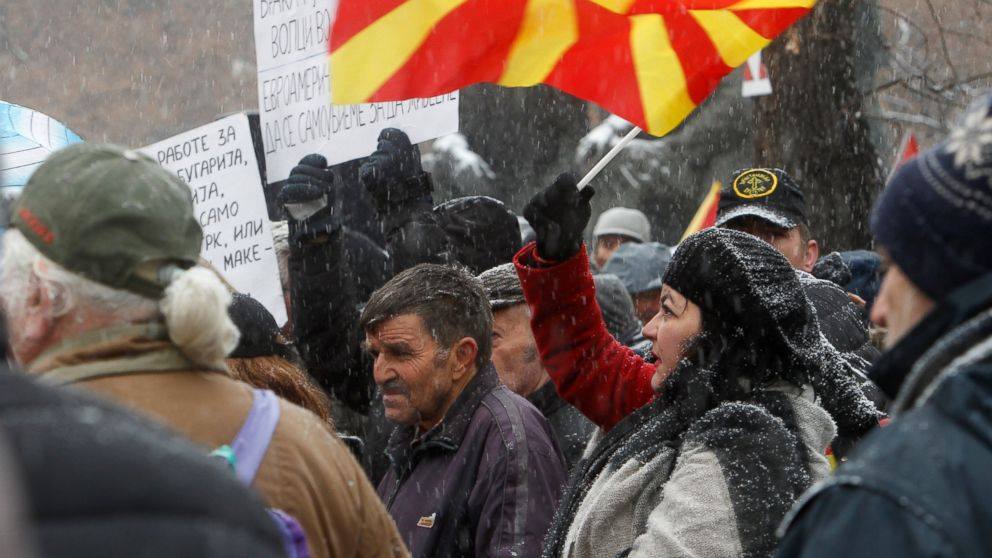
x: 935, y: 215
x: 752, y: 299
x: 736, y: 278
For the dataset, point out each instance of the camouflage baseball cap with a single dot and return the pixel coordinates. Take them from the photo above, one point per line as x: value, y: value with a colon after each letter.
x: 112, y: 215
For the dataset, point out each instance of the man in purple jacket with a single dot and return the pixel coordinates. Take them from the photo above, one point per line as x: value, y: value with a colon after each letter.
x: 475, y: 469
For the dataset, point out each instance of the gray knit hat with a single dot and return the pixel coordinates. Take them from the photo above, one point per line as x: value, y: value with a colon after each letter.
x: 502, y: 286
x: 624, y: 222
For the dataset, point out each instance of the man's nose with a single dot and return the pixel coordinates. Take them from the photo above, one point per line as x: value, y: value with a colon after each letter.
x: 381, y: 371
x: 879, y: 312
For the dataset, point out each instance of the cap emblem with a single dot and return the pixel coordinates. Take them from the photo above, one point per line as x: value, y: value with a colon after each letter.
x: 755, y: 183
x: 36, y: 225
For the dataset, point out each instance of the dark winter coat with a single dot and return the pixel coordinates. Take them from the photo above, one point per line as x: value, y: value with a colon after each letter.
x: 484, y: 482
x: 330, y: 277
x: 919, y: 486
x: 843, y: 324
x: 102, y: 482
x: 571, y: 428
x: 842, y: 321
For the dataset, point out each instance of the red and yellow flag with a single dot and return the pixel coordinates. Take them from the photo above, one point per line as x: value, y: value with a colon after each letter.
x: 705, y: 216
x: 649, y: 61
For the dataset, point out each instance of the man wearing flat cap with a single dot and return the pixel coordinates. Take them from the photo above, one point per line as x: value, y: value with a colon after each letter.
x: 519, y: 364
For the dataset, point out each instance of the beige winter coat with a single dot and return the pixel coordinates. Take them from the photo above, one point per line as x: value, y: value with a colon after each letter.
x: 307, y: 472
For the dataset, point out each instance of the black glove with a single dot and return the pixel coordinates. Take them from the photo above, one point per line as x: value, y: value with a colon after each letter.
x: 393, y: 174
x: 308, y: 197
x: 559, y: 215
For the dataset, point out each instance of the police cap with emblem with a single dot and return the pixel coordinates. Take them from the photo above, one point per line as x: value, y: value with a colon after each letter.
x: 768, y: 194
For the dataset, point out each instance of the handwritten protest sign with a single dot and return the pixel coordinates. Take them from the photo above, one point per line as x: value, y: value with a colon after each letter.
x: 217, y: 162
x: 297, y: 118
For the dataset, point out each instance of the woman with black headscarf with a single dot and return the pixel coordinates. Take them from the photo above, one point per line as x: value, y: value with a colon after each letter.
x: 710, y: 440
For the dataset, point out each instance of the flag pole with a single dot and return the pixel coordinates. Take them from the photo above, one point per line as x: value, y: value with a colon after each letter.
x: 608, y: 157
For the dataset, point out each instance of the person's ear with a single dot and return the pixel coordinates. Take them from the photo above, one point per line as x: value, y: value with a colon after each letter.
x: 38, y: 315
x: 812, y: 254
x: 33, y: 296
x: 464, y: 353
x: 49, y: 302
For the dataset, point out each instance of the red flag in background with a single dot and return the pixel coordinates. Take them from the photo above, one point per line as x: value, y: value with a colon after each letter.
x: 908, y: 149
x: 649, y: 61
x: 705, y: 216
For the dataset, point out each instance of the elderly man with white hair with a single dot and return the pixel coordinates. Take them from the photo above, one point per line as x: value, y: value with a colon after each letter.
x: 102, y: 290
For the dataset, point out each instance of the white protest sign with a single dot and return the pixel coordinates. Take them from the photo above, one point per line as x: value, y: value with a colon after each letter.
x: 217, y: 162
x: 756, y: 80
x: 297, y: 118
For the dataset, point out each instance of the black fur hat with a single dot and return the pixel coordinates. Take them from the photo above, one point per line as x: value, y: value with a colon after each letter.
x: 758, y: 327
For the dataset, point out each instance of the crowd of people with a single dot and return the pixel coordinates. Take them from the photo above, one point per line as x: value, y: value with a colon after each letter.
x: 458, y: 380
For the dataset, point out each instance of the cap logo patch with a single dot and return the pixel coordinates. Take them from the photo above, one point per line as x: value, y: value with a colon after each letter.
x: 755, y: 183
x: 36, y: 226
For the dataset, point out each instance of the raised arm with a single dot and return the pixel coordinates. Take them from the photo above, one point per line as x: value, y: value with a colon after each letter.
x: 591, y: 370
x: 402, y: 194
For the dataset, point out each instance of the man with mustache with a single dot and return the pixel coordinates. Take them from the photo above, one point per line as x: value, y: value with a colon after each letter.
x: 475, y: 468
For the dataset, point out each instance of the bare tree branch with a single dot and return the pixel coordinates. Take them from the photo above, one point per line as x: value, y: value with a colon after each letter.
x: 918, y: 119
x: 943, y: 41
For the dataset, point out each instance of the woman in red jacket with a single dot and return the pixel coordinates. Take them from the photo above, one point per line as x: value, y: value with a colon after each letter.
x: 713, y: 437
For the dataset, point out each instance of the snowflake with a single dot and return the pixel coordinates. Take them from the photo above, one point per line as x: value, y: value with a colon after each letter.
x: 971, y: 142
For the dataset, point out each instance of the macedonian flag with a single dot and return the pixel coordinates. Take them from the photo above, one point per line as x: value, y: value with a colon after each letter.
x: 649, y: 61
x: 705, y: 216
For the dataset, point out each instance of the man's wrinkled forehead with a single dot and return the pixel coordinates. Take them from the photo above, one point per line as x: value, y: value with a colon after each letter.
x: 396, y: 328
x: 512, y: 311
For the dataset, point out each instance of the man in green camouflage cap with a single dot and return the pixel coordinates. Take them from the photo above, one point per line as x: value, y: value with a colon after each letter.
x: 119, y: 229
x: 113, y: 216
x: 101, y: 290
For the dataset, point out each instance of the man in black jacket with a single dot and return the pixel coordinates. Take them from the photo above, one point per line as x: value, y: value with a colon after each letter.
x: 334, y: 268
x: 919, y: 486
x: 475, y: 470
